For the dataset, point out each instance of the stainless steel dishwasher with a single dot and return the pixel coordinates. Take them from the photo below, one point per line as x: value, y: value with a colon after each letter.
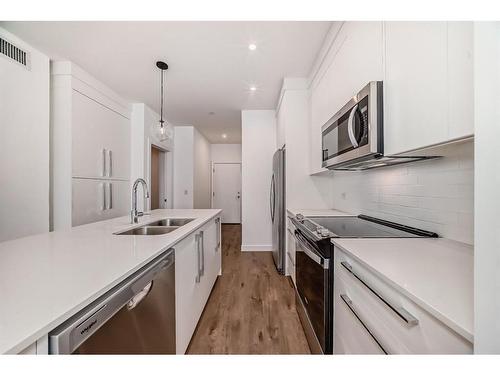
x: 135, y: 317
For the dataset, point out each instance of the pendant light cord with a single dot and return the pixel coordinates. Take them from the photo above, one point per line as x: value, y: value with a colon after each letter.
x: 161, y: 100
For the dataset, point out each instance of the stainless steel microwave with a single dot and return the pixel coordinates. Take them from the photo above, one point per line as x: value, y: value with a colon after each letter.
x: 355, y: 133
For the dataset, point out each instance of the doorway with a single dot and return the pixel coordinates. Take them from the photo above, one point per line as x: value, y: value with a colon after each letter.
x: 226, y: 191
x: 158, y: 178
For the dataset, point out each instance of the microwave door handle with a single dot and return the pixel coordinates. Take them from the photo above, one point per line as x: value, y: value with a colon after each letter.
x: 350, y: 127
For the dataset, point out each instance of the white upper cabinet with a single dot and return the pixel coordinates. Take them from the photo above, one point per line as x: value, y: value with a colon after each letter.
x: 354, y: 58
x: 427, y: 84
x: 460, y: 79
x: 426, y: 68
x: 101, y: 140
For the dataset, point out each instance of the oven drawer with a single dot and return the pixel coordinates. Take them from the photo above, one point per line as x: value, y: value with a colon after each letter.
x: 399, y: 324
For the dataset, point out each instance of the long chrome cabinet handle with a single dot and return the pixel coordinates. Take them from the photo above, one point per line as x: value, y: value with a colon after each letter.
x: 104, y: 169
x: 110, y: 163
x: 350, y: 305
x: 400, y: 311
x: 217, y: 222
x: 110, y: 196
x: 202, y: 254
x: 198, y: 275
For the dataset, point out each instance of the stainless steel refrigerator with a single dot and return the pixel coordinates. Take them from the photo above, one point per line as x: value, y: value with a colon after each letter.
x: 277, y: 209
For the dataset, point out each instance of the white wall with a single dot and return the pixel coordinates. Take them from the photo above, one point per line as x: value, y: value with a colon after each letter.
x: 226, y: 153
x: 201, y: 179
x: 183, y: 166
x: 143, y: 118
x: 487, y: 186
x: 258, y: 146
x: 435, y: 195
x: 24, y: 144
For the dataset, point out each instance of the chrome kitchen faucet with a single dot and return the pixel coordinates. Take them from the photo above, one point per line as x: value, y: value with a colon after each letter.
x: 134, y: 214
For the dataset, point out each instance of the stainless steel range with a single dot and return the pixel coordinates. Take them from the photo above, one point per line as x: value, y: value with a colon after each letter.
x: 314, y: 266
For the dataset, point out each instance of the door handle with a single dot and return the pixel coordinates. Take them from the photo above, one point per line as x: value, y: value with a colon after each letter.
x: 350, y: 127
x: 401, y: 312
x: 110, y: 196
x: 272, y: 199
x: 202, y: 254
x: 110, y: 163
x: 198, y: 257
x: 104, y: 169
x: 217, y: 222
x: 351, y: 307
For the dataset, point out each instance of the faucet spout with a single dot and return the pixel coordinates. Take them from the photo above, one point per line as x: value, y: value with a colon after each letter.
x: 134, y: 214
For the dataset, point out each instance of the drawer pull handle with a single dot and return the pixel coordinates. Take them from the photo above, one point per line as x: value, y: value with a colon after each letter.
x: 350, y: 305
x: 400, y: 311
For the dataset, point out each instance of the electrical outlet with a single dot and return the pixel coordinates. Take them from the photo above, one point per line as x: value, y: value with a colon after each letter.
x: 343, y: 195
x: 185, y: 192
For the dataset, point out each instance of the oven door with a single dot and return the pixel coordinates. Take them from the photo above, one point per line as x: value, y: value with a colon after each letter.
x: 314, y: 289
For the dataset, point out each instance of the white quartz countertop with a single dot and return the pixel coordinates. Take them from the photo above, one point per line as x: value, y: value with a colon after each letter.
x: 437, y: 274
x: 317, y: 212
x: 47, y: 278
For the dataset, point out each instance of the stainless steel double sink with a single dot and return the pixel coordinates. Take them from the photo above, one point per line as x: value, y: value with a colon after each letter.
x: 156, y: 228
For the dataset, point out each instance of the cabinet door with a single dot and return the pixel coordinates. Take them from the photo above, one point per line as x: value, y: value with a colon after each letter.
x: 101, y: 140
x: 95, y: 200
x: 188, y: 292
x: 415, y: 85
x: 460, y: 79
x: 212, y: 256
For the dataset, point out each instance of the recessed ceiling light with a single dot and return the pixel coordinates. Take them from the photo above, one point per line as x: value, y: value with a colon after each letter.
x: 224, y: 135
x: 253, y: 88
x: 252, y: 46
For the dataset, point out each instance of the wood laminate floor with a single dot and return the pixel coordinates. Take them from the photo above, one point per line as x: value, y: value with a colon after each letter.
x: 251, y: 309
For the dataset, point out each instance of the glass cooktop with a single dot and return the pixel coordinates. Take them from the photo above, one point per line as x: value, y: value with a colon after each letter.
x: 363, y: 226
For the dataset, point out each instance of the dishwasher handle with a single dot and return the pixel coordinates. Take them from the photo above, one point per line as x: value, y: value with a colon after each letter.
x: 66, y: 338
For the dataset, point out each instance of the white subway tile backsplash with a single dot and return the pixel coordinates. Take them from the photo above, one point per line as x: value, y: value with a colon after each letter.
x: 435, y: 195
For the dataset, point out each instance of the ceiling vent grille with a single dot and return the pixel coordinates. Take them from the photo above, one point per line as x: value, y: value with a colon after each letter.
x: 14, y: 53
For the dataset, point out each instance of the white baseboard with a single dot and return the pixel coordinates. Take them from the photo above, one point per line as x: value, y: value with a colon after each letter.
x: 256, y: 247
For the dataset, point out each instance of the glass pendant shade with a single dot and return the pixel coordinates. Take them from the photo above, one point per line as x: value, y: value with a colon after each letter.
x: 162, y: 131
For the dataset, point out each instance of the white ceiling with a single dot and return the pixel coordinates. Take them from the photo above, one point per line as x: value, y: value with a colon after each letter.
x: 210, y: 65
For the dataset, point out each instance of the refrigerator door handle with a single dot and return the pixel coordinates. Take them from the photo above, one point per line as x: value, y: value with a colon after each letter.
x: 272, y: 198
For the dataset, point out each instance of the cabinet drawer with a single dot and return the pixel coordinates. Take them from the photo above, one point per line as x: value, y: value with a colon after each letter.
x: 390, y: 314
x: 350, y: 335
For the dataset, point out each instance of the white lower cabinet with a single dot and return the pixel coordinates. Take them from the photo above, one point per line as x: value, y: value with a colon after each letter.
x: 365, y: 324
x: 197, y: 264
x: 95, y: 200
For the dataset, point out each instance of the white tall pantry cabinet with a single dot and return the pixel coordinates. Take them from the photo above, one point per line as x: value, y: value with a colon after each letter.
x: 90, y: 127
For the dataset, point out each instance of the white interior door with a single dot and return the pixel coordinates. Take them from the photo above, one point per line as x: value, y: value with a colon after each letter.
x: 226, y: 194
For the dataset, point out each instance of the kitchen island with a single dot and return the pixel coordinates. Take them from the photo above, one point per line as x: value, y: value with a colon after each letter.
x: 47, y: 278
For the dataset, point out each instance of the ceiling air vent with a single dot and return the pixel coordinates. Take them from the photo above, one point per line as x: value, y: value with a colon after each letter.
x: 14, y: 53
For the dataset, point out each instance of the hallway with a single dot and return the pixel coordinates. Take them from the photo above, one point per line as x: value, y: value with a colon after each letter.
x: 251, y: 309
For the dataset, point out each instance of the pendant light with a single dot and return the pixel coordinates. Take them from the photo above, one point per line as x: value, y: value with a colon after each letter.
x: 162, y: 130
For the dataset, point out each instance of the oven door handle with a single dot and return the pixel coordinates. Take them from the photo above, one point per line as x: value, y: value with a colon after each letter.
x: 309, y: 252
